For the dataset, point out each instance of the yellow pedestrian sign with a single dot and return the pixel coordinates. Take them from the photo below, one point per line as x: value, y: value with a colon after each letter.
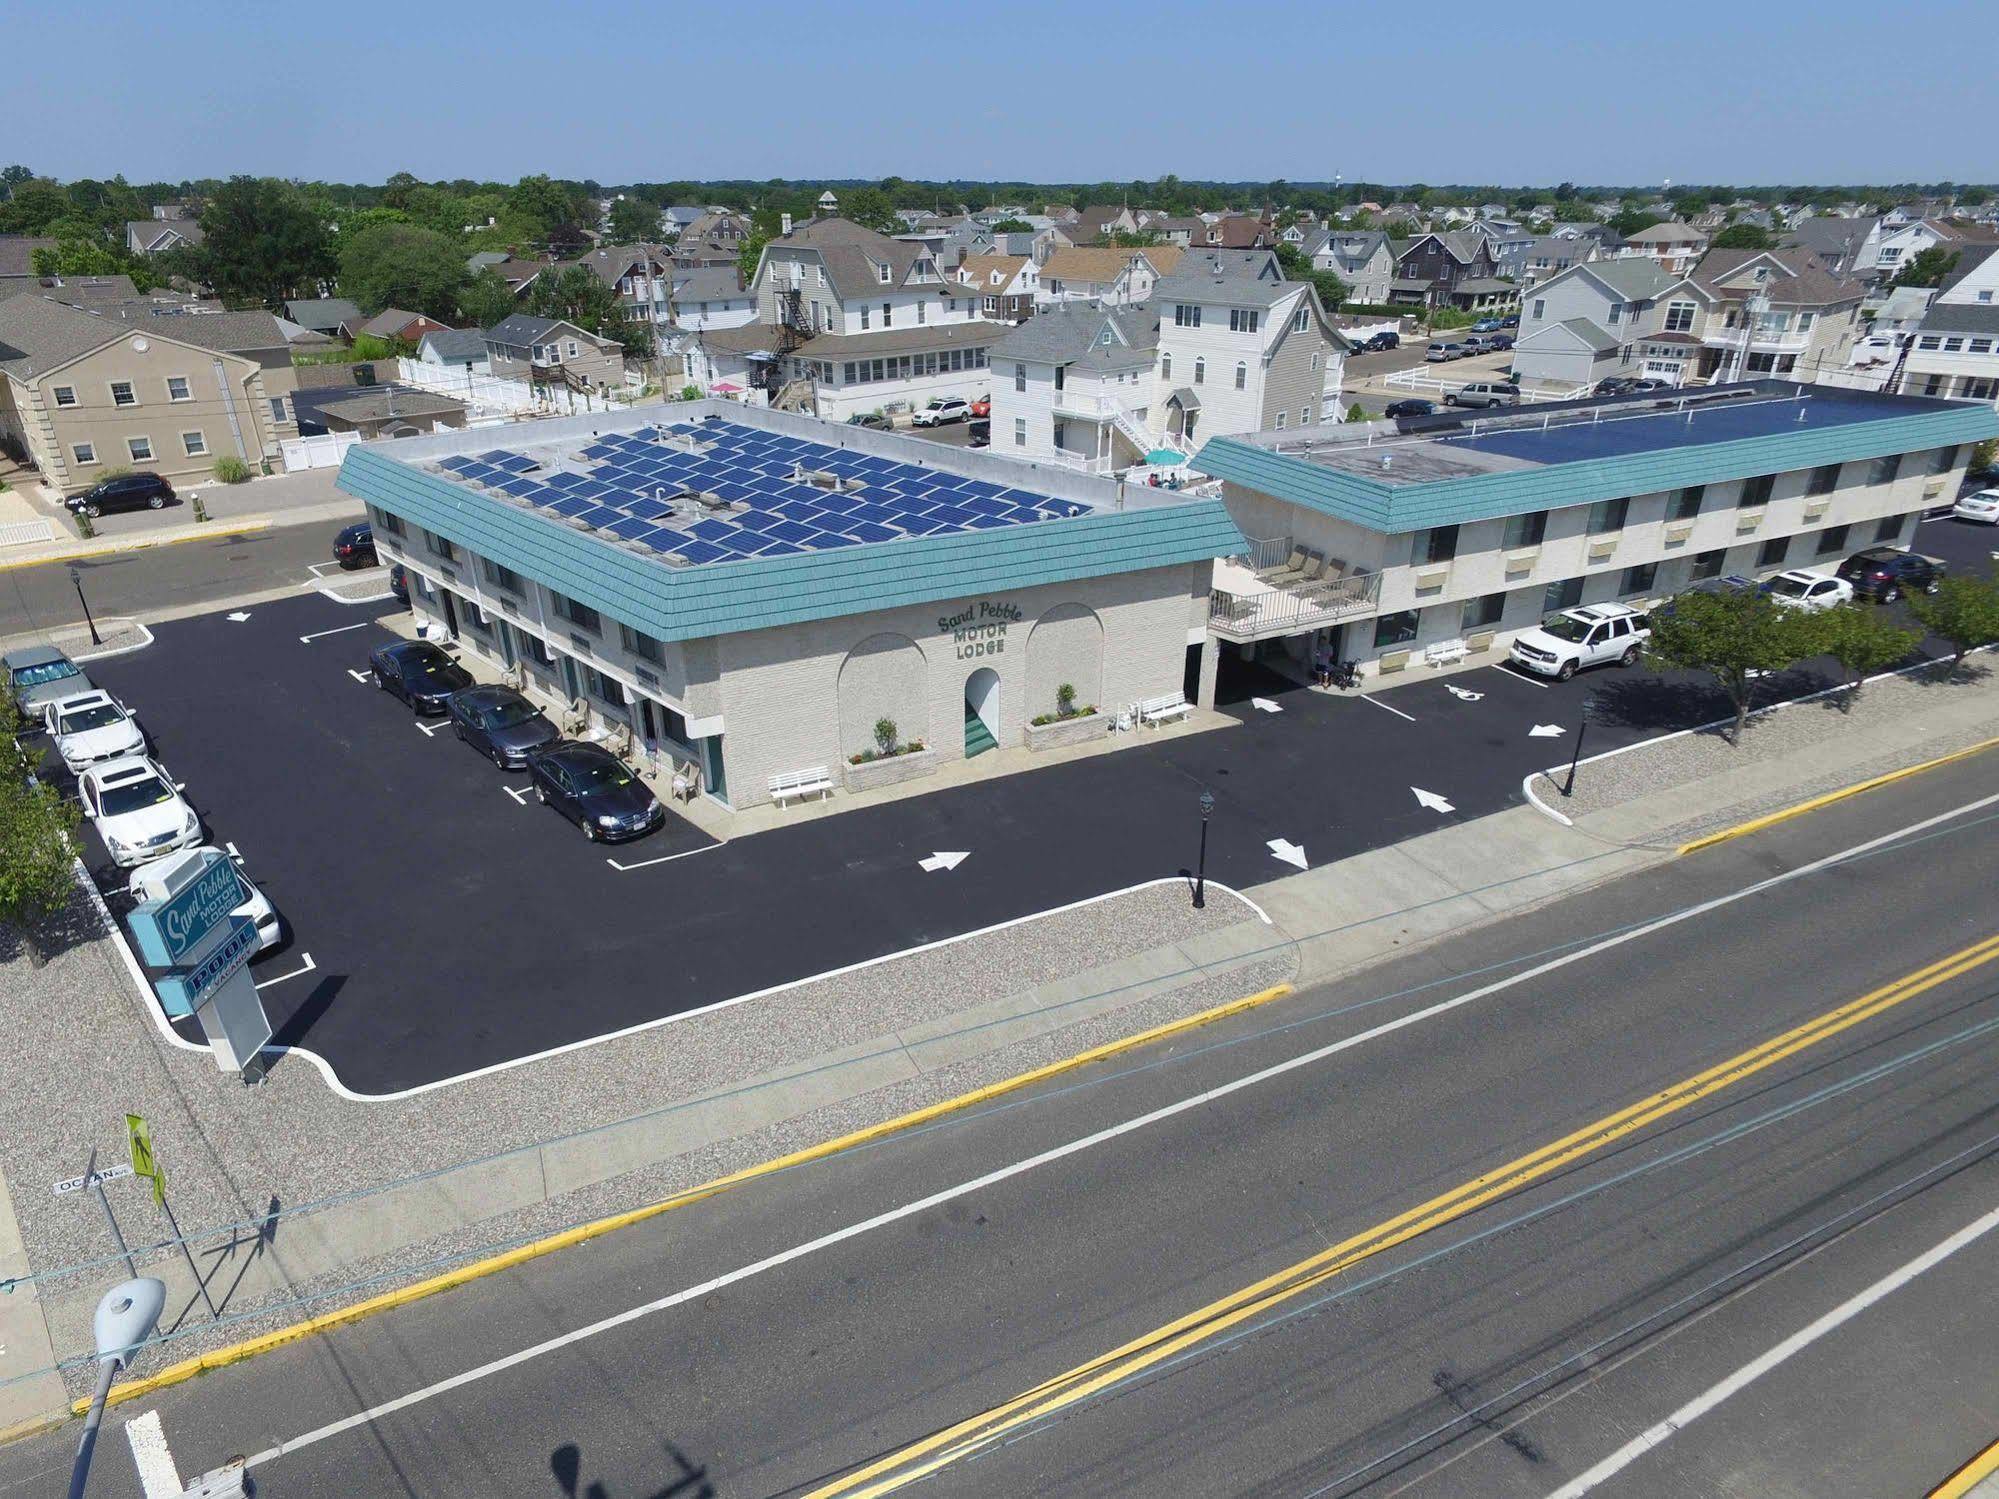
x: 143, y: 1163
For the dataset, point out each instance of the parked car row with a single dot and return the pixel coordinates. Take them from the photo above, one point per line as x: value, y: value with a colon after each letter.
x: 1629, y: 385
x: 584, y: 782
x: 135, y: 807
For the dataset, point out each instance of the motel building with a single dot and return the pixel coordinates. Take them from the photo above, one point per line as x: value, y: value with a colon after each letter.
x: 750, y: 593
x: 1435, y: 539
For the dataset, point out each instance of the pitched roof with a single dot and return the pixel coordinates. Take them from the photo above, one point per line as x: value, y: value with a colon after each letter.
x: 322, y: 314
x: 454, y: 344
x: 150, y: 232
x: 521, y: 330
x: 1226, y: 288
x: 1072, y: 332
x: 1969, y: 259
x: 38, y: 333
x: 1582, y: 330
x: 1802, y: 279
x: 852, y: 254
x: 1960, y: 317
x: 612, y: 262
x: 17, y: 253
x: 990, y: 272
x: 1102, y: 263
x: 389, y: 322
x: 708, y: 283
x: 1240, y: 231
x: 1672, y: 232
x: 1635, y: 278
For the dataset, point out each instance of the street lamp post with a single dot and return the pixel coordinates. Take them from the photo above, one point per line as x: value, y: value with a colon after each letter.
x: 77, y: 578
x: 1582, y: 726
x: 124, y: 1319
x: 1201, y: 866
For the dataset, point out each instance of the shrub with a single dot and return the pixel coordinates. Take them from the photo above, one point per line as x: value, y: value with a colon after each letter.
x: 231, y: 470
x: 885, y: 735
x: 1355, y: 414
x: 1065, y: 699
x: 690, y: 392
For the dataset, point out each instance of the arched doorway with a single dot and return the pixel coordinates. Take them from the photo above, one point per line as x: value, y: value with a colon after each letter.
x: 982, y: 711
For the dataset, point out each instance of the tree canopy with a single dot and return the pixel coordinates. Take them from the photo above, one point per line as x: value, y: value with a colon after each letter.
x: 578, y: 295
x: 1744, y: 237
x: 1733, y: 637
x: 263, y: 244
x: 403, y: 265
x: 634, y: 221
x: 1927, y: 267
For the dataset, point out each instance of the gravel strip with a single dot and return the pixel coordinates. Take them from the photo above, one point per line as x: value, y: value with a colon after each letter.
x: 233, y: 1152
x: 114, y: 637
x: 1800, y: 728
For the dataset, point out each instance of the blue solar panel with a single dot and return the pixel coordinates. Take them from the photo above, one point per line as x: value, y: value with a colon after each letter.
x: 521, y: 488
x: 839, y: 504
x: 700, y: 551
x: 647, y: 508
x: 826, y: 541
x: 571, y: 505
x: 712, y: 530
x: 922, y: 525
x: 988, y: 522
x: 601, y: 515
x: 872, y: 531
x: 979, y: 488
x: 779, y: 549
x: 632, y: 528
x: 875, y: 513
x: 953, y: 515
x: 791, y: 530
x: 797, y: 510
x: 566, y: 481
x: 514, y: 463
x: 458, y: 462
x: 494, y: 455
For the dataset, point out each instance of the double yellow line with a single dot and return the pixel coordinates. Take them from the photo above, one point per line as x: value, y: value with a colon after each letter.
x: 968, y: 1437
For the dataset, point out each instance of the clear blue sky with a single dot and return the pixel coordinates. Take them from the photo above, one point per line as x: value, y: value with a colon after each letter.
x: 1744, y: 91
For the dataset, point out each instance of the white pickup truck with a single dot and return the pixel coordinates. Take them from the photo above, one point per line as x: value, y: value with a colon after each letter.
x: 1561, y: 646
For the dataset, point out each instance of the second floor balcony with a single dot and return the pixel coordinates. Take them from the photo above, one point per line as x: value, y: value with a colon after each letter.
x: 1278, y: 588
x: 1763, y: 340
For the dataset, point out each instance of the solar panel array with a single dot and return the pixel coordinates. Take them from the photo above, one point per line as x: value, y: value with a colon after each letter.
x: 719, y: 492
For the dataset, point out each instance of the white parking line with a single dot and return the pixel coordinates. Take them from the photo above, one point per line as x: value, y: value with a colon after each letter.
x: 336, y: 630
x: 663, y: 858
x: 310, y: 967
x: 1518, y: 675
x: 518, y: 793
x: 157, y: 1474
x: 428, y: 730
x: 233, y: 854
x: 1368, y: 697
x: 363, y: 677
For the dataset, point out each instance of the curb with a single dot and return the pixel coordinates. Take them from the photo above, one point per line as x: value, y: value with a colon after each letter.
x: 1812, y: 804
x: 1968, y: 1477
x: 236, y: 1353
x: 113, y: 548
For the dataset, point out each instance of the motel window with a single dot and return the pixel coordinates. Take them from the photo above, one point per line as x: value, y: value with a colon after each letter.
x: 1773, y: 552
x: 1395, y: 629
x: 538, y: 648
x: 1824, y: 479
x: 1438, y: 544
x: 1686, y: 502
x: 579, y: 614
x: 141, y: 449
x: 1606, y: 516
x: 439, y: 546
x: 500, y: 576
x: 604, y: 688
x: 1707, y: 565
x: 1942, y: 459
x: 1304, y: 416
x: 1929, y: 341
x: 65, y: 394
x: 1639, y: 579
x: 84, y: 452
x: 1526, y: 530
x: 1241, y: 375
x: 1020, y: 431
x: 476, y: 617
x: 640, y: 644
x: 1482, y: 613
x: 1884, y: 469
x: 1890, y: 528
x: 1832, y: 539
x: 122, y: 393
x: 178, y: 388
x: 193, y: 444
x: 277, y: 408
x: 1558, y: 596
x: 383, y: 521
x: 1756, y: 491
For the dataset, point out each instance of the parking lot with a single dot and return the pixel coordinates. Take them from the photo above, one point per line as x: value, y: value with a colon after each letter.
x: 441, y: 922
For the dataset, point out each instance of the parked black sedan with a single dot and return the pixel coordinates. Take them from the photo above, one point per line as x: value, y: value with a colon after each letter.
x: 594, y: 789
x: 501, y: 724
x: 419, y: 673
x: 355, y: 546
x: 1414, y: 406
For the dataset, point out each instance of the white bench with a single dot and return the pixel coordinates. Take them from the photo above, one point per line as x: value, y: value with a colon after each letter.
x: 800, y: 783
x: 1159, y: 709
x: 1443, y: 653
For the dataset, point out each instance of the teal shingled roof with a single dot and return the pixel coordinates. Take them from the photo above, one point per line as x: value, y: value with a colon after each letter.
x: 684, y: 603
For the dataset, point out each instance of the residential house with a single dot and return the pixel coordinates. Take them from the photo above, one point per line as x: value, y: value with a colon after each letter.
x: 461, y: 350
x: 1578, y: 326
x: 1903, y: 243
x: 642, y: 275
x: 1547, y: 256
x: 1955, y: 350
x: 1239, y: 231
x: 1509, y: 238
x: 548, y: 351
x: 711, y: 297
x: 1673, y: 245
x: 127, y: 386
x: 1607, y: 239
x: 396, y: 325
x: 389, y: 411
x: 1845, y: 245
x: 1452, y: 268
x: 151, y: 236
x: 1005, y: 284
x: 1113, y: 276
x: 1178, y: 231
x: 328, y: 316
x: 17, y: 253
x: 1774, y: 312
x: 677, y: 216
x: 1097, y: 223
x: 1361, y: 258
x: 1075, y: 384
x: 716, y: 238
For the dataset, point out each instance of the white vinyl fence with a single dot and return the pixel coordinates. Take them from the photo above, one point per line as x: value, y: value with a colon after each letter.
x: 324, y: 451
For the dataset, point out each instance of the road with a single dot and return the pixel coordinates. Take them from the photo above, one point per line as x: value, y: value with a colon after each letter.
x: 1467, y: 1223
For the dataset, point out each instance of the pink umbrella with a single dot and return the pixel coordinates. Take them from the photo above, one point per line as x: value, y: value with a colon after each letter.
x: 723, y: 387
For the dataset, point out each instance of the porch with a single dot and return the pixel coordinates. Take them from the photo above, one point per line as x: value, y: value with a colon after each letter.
x: 1279, y: 588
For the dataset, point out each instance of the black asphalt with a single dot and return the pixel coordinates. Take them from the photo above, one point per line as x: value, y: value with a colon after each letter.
x: 453, y: 928
x: 1500, y: 1355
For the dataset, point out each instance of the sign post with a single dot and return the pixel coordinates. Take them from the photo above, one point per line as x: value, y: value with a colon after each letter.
x: 193, y: 932
x: 146, y: 1163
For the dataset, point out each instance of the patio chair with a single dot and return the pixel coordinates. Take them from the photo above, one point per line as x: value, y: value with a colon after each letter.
x: 1290, y: 570
x: 1315, y: 567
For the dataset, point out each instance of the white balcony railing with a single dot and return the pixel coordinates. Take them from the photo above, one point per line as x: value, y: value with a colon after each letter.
x: 1761, y: 340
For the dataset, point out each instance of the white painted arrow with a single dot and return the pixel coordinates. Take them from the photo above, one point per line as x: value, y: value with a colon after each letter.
x: 1431, y: 800
x: 238, y: 616
x: 1290, y: 853
x: 1468, y: 696
x: 939, y: 861
x: 1264, y: 705
x: 1545, y: 731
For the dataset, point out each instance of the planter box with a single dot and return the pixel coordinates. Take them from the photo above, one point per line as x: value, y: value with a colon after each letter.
x: 1079, y: 730
x: 893, y: 771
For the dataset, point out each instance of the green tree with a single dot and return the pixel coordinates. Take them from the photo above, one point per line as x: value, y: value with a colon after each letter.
x: 1733, y: 638
x: 1927, y: 267
x: 36, y: 855
x: 32, y: 206
x: 12, y: 177
x: 1013, y: 226
x: 486, y: 299
x: 263, y: 244
x: 871, y: 209
x: 633, y: 221
x: 1964, y: 611
x: 542, y: 202
x: 578, y: 295
x: 92, y: 257
x: 1863, y: 640
x: 402, y: 265
x: 1631, y: 220
x: 1744, y: 237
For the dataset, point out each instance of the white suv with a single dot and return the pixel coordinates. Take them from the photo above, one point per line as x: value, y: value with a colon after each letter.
x: 1589, y: 636
x: 941, y: 410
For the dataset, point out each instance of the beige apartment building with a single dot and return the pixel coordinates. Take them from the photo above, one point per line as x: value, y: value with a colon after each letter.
x: 128, y: 387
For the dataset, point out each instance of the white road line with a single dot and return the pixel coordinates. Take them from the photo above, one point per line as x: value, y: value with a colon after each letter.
x: 1518, y: 676
x: 336, y: 630
x: 364, y: 678
x: 1368, y: 697
x: 428, y: 730
x: 157, y: 1474
x: 518, y: 793
x: 1087, y: 1142
x: 310, y: 967
x: 1756, y: 1368
x: 665, y: 858
x: 233, y: 854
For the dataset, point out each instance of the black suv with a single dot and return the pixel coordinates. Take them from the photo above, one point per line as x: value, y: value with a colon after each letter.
x: 126, y: 492
x: 355, y: 546
x: 1884, y: 574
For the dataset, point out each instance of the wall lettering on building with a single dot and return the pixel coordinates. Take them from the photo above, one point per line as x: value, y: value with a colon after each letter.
x: 980, y: 629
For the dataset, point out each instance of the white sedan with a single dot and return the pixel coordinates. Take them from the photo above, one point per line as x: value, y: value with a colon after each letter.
x: 91, y: 726
x: 1801, y: 588
x: 1981, y: 505
x: 146, y: 884
x: 136, y: 810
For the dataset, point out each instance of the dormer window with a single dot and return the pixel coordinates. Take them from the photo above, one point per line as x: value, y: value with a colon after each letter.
x: 883, y: 273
